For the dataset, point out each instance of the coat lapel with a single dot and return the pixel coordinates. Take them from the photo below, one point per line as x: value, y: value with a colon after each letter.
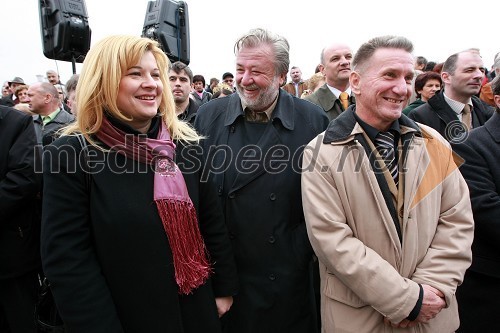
x: 326, y: 98
x: 269, y: 139
x: 442, y: 109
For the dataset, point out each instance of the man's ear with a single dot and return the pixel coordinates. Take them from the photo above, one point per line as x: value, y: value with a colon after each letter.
x: 282, y: 79
x: 322, y: 69
x: 496, y: 98
x: 445, y: 76
x: 354, y: 82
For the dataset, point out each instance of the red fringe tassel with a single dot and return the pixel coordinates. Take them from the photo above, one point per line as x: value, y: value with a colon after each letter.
x: 191, y: 264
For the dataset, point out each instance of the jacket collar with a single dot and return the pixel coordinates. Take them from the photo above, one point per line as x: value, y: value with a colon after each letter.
x: 190, y: 111
x: 345, y: 126
x: 284, y: 110
x: 493, y: 126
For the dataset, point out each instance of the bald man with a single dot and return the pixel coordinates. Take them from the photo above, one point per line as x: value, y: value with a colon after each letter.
x: 43, y: 100
x: 336, y: 67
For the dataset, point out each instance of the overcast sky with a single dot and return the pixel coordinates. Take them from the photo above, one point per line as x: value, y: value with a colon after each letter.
x: 437, y: 29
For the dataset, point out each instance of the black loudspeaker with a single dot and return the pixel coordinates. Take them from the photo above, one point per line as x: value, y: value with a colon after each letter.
x: 167, y: 22
x: 65, y: 29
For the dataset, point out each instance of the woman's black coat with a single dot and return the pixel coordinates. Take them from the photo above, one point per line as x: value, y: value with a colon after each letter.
x: 106, y: 253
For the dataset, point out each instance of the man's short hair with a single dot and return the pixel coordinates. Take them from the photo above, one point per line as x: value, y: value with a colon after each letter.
x: 179, y: 66
x: 366, y: 51
x: 450, y: 64
x: 72, y: 82
x: 421, y: 61
x: 279, y: 45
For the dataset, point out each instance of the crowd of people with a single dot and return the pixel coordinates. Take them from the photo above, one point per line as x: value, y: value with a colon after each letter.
x: 363, y: 199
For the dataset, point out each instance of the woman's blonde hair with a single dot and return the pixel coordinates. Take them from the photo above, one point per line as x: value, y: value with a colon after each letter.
x: 98, y: 85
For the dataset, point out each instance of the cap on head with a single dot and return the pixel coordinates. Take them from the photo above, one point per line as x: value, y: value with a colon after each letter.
x: 227, y: 74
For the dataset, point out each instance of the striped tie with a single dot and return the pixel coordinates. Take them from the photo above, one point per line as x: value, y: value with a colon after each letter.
x: 384, y: 142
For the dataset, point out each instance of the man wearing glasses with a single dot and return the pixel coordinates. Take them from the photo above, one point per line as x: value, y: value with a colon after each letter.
x: 229, y: 79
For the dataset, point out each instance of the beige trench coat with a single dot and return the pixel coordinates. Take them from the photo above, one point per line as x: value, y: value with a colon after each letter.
x: 366, y: 274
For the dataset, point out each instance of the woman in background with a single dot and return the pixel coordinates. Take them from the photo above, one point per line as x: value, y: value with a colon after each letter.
x: 427, y: 85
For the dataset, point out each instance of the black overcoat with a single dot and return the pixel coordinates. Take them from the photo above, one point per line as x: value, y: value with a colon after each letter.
x: 480, y: 291
x: 106, y: 253
x: 19, y: 185
x: 263, y: 210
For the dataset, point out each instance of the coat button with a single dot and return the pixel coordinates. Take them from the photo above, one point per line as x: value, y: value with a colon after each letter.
x: 219, y: 190
x: 233, y: 129
x: 232, y: 195
x: 272, y: 277
x: 231, y: 236
x: 272, y: 196
x: 272, y: 239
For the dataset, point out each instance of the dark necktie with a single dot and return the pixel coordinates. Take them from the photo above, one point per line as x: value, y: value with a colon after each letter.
x: 384, y: 142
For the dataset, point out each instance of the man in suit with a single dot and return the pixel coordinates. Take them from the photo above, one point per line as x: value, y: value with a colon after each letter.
x: 387, y: 211
x: 480, y: 292
x: 19, y: 221
x: 297, y: 86
x: 254, y: 140
x: 335, y: 95
x: 454, y: 111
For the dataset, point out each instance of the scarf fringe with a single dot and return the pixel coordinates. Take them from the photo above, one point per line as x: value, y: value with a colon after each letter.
x: 191, y: 262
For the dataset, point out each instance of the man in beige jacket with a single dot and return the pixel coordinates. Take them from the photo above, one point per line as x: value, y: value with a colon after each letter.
x: 387, y: 210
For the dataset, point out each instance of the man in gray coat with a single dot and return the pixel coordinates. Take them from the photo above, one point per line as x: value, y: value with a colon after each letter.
x: 49, y: 118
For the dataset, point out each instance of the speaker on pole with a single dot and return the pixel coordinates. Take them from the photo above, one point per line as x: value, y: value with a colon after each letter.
x: 65, y: 29
x: 167, y: 22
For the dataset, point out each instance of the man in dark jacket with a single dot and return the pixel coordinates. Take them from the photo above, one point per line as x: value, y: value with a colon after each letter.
x: 19, y: 221
x: 480, y: 291
x: 180, y: 77
x: 455, y: 110
x: 252, y: 153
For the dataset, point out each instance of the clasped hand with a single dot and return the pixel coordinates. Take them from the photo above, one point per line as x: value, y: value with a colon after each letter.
x: 432, y: 303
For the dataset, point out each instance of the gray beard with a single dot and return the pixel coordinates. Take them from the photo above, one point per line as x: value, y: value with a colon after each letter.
x: 265, y: 98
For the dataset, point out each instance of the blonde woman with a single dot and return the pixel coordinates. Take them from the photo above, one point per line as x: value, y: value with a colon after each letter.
x: 131, y: 240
